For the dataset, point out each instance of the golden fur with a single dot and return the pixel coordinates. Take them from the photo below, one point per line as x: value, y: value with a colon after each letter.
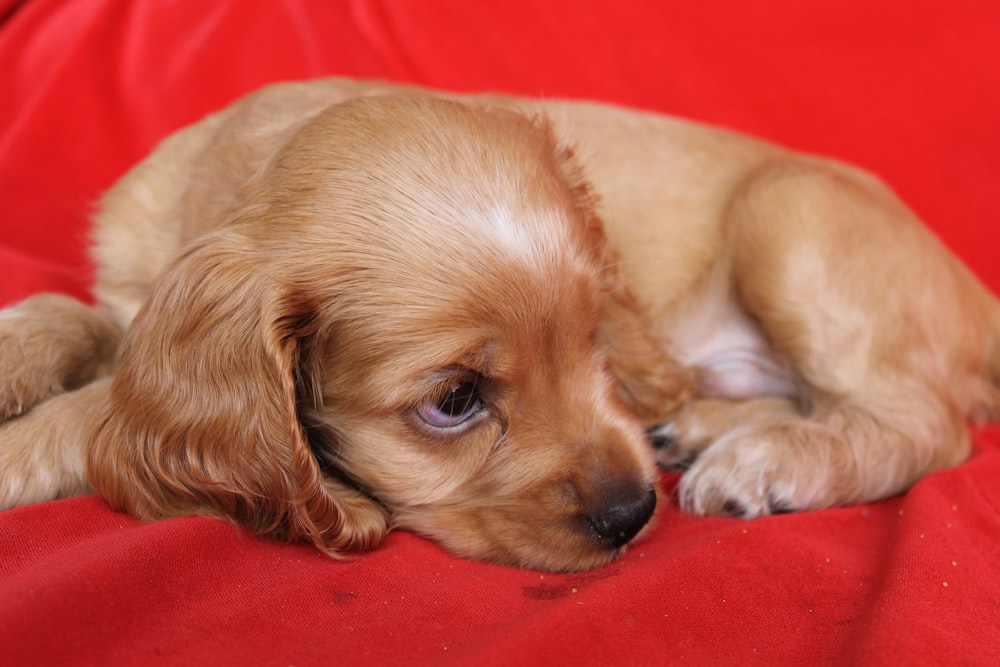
x: 353, y: 306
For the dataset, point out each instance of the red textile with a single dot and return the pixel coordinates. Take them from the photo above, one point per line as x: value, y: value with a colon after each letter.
x: 909, y: 89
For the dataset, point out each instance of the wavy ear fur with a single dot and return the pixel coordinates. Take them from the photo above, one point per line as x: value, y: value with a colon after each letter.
x: 204, y: 410
x: 652, y: 383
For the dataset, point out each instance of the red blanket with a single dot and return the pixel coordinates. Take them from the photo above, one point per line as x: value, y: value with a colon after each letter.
x: 910, y: 90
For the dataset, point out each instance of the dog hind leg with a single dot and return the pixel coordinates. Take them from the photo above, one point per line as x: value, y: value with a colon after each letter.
x: 886, y: 331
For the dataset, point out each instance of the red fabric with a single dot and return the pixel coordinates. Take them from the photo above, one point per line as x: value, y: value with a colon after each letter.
x: 909, y: 89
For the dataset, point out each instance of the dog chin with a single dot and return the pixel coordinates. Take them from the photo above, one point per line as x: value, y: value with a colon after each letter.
x: 553, y: 534
x: 566, y: 548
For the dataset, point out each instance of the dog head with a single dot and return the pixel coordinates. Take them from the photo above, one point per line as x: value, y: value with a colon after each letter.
x: 409, y: 319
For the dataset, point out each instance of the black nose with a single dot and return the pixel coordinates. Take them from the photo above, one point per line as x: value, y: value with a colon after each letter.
x: 619, y: 521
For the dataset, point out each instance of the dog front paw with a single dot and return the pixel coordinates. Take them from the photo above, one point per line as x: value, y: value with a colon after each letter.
x: 755, y: 472
x: 671, y: 453
x: 21, y: 388
x: 14, y: 402
x: 51, y: 343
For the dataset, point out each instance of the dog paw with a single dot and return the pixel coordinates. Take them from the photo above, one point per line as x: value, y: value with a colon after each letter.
x: 751, y: 474
x: 671, y: 453
x: 20, y: 389
x: 49, y: 344
x: 11, y: 405
x: 18, y: 394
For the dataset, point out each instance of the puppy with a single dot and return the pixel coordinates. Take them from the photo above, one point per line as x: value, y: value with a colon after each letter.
x: 343, y: 315
x: 341, y: 307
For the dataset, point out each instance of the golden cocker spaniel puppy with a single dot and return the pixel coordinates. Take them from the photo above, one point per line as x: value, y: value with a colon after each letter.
x: 339, y: 307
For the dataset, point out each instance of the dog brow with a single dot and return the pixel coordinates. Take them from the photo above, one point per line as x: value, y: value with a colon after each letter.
x: 533, y: 242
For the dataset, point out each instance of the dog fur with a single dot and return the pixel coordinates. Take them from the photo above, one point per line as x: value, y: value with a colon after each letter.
x: 340, y: 307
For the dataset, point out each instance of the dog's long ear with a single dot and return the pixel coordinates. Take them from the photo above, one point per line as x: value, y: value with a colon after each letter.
x: 204, y: 410
x: 652, y: 383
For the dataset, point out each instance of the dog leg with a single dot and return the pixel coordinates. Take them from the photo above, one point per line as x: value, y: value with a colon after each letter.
x: 50, y: 344
x: 41, y: 452
x: 887, y: 332
x: 703, y: 421
x: 799, y: 464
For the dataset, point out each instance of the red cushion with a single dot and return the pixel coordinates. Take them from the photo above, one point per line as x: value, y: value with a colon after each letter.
x: 910, y: 90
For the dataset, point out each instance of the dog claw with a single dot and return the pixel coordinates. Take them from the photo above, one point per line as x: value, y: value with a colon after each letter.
x: 670, y: 455
x: 662, y: 437
x: 776, y: 506
x: 734, y: 508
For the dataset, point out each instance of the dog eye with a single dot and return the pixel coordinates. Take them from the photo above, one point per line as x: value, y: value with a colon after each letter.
x: 459, y: 404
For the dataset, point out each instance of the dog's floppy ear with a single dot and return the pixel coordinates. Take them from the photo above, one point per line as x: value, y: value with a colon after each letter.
x: 652, y: 383
x: 203, y: 415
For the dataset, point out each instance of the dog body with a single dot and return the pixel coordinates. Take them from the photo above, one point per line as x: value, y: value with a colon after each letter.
x: 339, y: 307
